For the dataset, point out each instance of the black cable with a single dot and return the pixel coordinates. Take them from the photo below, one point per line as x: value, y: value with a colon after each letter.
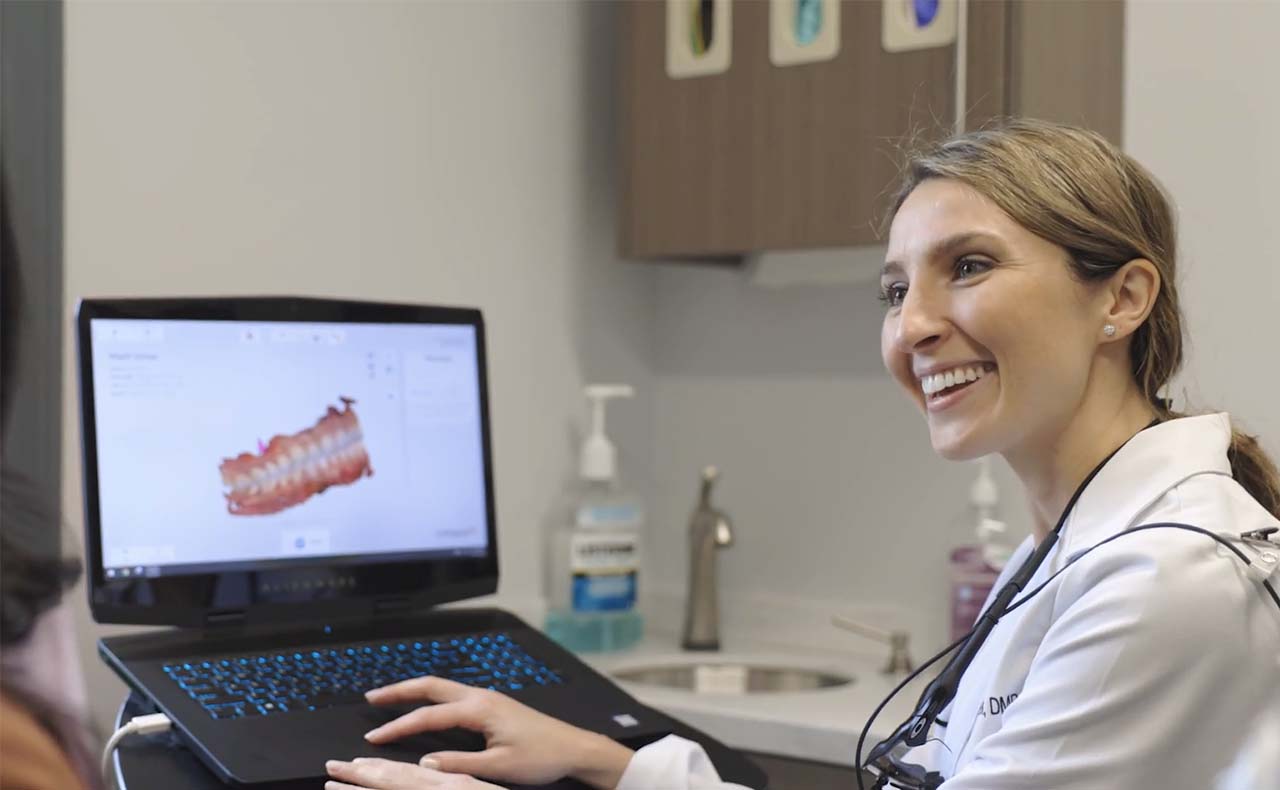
x: 862, y: 736
x: 942, y: 689
x: 1160, y: 525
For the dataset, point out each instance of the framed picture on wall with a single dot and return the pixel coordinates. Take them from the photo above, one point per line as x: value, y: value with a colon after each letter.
x: 803, y: 31
x: 699, y: 37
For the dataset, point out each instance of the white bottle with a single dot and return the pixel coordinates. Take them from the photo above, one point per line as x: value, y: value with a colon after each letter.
x: 594, y: 561
x: 991, y: 532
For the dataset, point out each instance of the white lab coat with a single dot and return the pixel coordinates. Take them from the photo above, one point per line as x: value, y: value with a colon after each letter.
x: 1153, y: 662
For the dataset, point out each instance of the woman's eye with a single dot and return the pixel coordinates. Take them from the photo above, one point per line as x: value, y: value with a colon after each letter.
x: 969, y: 267
x: 892, y: 295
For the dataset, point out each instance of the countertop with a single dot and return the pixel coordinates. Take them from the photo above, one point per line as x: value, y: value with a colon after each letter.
x: 821, y: 724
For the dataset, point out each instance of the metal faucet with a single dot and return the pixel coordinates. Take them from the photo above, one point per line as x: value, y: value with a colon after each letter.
x: 709, y: 529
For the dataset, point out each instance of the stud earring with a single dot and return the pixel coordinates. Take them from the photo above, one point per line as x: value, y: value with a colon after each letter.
x: 1109, y: 330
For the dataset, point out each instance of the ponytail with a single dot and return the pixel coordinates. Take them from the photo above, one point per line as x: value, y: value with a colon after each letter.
x: 1255, y: 471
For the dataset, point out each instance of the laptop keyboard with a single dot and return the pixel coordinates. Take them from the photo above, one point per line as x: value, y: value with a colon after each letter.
x: 310, y: 679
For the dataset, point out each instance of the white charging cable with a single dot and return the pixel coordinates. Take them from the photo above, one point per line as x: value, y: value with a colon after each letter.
x: 138, y: 725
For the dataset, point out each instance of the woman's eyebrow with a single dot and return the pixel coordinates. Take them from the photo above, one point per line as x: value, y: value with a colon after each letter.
x: 943, y: 247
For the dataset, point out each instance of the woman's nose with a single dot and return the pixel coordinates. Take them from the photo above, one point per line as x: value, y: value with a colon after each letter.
x: 921, y: 322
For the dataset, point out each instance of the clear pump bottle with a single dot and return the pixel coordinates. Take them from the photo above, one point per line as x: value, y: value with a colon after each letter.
x: 594, y: 554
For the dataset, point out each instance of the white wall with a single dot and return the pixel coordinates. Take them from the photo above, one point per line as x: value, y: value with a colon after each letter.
x: 1201, y: 113
x: 453, y: 153
x: 838, y: 500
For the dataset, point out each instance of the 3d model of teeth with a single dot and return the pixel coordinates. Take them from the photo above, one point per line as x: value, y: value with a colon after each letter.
x: 291, y: 469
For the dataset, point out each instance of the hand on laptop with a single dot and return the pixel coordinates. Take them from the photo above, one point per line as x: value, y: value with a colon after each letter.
x: 522, y: 745
x: 374, y: 773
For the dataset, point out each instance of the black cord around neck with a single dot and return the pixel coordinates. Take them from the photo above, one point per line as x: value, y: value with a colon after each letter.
x: 942, y: 689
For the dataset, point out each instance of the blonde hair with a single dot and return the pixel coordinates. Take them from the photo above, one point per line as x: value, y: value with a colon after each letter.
x: 1072, y: 187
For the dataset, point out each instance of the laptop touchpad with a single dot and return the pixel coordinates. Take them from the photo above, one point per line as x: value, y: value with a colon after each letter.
x: 454, y: 739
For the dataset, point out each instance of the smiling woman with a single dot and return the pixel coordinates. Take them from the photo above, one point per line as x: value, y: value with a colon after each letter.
x: 1031, y: 311
x: 1036, y: 237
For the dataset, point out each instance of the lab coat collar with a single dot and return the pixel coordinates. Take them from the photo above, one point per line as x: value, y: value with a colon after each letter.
x: 1150, y: 464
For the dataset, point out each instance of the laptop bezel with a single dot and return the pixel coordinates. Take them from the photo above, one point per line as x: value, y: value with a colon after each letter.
x: 240, y: 596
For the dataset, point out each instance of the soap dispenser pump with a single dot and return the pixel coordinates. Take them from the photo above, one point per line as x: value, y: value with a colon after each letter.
x: 598, y: 460
x: 975, y: 564
x: 990, y: 531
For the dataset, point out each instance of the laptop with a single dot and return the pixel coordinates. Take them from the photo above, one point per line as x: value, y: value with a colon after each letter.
x: 295, y: 485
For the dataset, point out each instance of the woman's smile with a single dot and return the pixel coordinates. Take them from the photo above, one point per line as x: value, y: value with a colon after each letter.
x: 946, y: 389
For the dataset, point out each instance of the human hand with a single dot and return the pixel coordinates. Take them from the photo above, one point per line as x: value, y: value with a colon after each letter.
x: 374, y: 773
x: 522, y: 744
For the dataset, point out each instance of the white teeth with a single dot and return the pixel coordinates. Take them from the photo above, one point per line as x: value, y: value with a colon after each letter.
x: 940, y: 381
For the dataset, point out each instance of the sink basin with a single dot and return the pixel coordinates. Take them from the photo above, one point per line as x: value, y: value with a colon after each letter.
x: 727, y: 677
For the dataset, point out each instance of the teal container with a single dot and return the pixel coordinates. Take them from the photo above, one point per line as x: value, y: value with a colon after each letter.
x: 594, y: 632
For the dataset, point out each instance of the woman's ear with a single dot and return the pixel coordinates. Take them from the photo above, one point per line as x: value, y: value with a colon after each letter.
x: 1133, y: 289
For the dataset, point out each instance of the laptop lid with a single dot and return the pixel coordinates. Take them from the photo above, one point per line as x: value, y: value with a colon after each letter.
x: 283, y: 460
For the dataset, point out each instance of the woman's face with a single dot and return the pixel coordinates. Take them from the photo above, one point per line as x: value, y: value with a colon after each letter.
x: 986, y: 329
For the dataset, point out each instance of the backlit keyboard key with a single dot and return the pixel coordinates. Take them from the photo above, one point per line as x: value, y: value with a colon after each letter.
x: 310, y: 679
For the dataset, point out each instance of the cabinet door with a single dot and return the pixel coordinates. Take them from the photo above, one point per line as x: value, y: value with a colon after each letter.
x: 1059, y: 61
x: 1066, y: 63
x: 767, y: 158
x: 683, y: 144
x: 789, y: 773
x: 763, y: 157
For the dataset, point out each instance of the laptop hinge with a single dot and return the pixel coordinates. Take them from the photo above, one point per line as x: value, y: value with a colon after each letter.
x: 224, y: 618
x: 393, y: 604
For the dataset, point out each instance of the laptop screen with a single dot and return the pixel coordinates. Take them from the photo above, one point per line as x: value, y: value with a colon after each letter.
x: 229, y: 444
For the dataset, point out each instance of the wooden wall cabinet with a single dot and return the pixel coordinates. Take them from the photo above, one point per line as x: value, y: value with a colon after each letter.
x: 800, y: 157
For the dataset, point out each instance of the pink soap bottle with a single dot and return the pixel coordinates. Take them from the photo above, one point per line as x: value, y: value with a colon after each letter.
x: 975, y: 565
